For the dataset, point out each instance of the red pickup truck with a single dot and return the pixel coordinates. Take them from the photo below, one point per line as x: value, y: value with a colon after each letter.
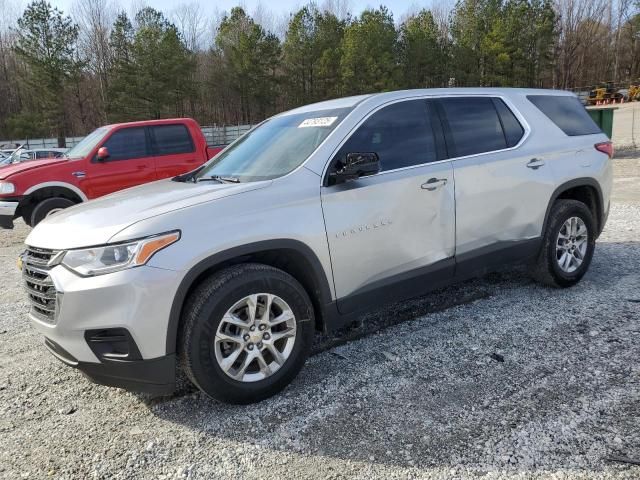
x: 111, y: 158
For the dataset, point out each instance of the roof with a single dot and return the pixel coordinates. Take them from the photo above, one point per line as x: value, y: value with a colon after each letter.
x: 350, y: 102
x: 145, y: 123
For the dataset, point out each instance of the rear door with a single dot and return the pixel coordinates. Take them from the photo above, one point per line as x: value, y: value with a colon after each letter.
x: 174, y: 150
x: 502, y: 183
x: 130, y: 163
x: 392, y: 234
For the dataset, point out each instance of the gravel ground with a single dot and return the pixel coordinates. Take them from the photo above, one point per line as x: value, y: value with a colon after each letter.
x: 494, y: 378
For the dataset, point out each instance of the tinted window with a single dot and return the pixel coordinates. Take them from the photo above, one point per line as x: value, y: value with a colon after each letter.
x: 474, y: 125
x: 567, y: 113
x: 400, y: 134
x: 126, y: 144
x: 172, y: 139
x: 513, y: 131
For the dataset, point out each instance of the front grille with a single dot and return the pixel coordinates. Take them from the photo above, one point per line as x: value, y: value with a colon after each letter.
x: 38, y: 284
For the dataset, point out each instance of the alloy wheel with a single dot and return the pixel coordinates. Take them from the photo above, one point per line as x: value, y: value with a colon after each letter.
x: 571, y: 244
x: 255, y: 337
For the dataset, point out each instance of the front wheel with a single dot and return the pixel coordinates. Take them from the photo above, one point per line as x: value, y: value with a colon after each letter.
x: 568, y: 244
x: 246, y: 333
x: 47, y: 208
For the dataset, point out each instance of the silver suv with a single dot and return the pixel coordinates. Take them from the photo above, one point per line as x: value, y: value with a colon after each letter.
x: 317, y: 214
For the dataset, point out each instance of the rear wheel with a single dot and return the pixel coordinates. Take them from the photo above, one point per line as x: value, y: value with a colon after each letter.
x: 246, y: 333
x: 47, y: 208
x: 568, y: 244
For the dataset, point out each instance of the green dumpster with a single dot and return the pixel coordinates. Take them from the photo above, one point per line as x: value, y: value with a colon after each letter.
x: 603, y: 116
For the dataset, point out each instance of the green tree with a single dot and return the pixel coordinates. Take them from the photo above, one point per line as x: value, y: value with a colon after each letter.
x: 152, y: 68
x: 471, y: 22
x: 369, y: 51
x: 423, y: 56
x: 520, y: 42
x: 46, y: 43
x: 250, y: 58
x: 311, y: 59
x: 122, y: 68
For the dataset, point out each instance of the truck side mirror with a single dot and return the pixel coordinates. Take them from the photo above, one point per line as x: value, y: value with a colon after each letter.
x: 103, y: 154
x: 356, y: 165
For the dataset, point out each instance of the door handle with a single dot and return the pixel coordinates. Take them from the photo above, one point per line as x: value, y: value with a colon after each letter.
x: 535, y: 163
x: 433, y: 183
x: 79, y: 174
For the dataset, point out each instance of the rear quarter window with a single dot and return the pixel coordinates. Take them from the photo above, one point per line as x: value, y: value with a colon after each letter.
x: 567, y: 113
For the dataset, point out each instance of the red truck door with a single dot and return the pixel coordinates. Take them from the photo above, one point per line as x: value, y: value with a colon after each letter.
x: 174, y: 150
x: 130, y: 163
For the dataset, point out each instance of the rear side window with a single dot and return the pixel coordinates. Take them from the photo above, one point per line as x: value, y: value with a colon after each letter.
x: 567, y: 113
x: 172, y: 139
x: 400, y: 134
x: 127, y: 143
x: 474, y: 125
x: 513, y: 131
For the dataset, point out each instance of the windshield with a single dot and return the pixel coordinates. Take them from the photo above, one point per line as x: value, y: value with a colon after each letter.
x: 84, y: 147
x: 274, y: 148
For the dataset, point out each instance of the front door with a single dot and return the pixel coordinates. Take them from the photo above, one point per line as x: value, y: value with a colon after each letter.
x: 130, y: 163
x: 391, y: 232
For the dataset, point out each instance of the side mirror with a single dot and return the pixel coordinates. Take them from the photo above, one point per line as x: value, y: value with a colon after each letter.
x: 103, y: 154
x: 356, y: 165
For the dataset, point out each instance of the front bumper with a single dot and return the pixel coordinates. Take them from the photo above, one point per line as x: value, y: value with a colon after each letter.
x: 156, y: 376
x: 135, y: 304
x: 7, y: 213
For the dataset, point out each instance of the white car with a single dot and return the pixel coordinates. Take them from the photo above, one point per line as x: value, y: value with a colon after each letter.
x: 22, y: 155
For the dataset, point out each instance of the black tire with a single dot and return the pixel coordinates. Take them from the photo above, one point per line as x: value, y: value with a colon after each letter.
x: 203, y: 313
x: 45, y: 207
x: 547, y: 269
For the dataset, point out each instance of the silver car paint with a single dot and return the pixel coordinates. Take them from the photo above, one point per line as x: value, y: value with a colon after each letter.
x: 487, y: 198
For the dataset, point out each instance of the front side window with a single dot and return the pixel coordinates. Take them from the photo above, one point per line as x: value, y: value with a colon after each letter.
x: 127, y: 143
x: 474, y: 125
x: 171, y: 140
x: 274, y: 148
x: 400, y: 134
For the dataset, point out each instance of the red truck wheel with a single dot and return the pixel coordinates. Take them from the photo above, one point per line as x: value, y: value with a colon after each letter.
x: 49, y: 207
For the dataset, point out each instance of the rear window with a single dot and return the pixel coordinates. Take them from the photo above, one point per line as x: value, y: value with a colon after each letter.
x: 474, y: 125
x: 172, y: 139
x: 567, y: 113
x: 513, y: 131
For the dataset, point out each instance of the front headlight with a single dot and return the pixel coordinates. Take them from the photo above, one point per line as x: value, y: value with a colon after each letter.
x: 93, y: 261
x: 7, y: 188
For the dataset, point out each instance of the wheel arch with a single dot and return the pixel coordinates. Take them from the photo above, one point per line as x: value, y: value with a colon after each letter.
x: 291, y: 256
x: 586, y: 190
x: 37, y: 193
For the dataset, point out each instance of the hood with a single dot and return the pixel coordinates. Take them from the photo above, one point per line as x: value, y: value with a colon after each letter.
x: 7, y: 170
x: 96, y: 222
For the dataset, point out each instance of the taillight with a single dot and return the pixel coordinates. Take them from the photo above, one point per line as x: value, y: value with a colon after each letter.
x: 605, y: 147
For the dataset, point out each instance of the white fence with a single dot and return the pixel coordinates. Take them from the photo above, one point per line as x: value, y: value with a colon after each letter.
x: 214, y: 135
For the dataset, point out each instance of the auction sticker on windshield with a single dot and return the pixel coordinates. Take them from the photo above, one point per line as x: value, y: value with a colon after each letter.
x: 318, y: 122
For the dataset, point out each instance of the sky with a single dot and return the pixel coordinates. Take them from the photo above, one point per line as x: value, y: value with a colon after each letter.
x: 278, y: 7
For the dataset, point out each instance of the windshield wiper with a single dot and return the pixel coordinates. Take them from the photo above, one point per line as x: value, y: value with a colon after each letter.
x: 219, y: 179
